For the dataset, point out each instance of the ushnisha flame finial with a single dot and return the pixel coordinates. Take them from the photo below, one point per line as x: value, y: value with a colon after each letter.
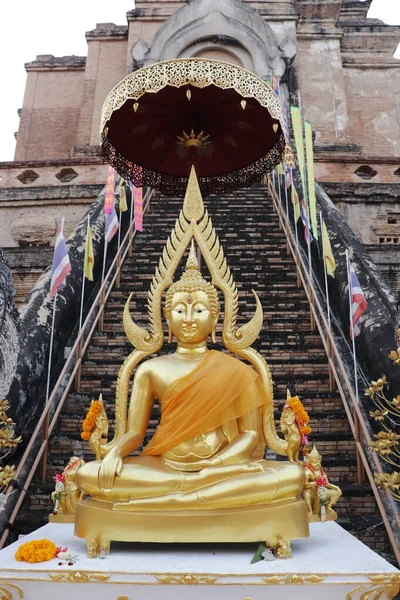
x: 193, y: 207
x: 192, y: 263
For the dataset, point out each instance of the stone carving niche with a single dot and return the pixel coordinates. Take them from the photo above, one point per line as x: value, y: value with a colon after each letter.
x: 226, y: 30
x: 34, y: 231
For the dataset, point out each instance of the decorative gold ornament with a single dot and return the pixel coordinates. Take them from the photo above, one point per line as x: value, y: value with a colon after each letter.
x: 283, y: 550
x: 196, y: 72
x: 10, y: 591
x: 275, y: 127
x: 243, y: 104
x: 193, y: 140
x: 388, y: 587
x: 319, y: 493
x: 66, y: 493
x: 387, y: 442
x: 293, y: 578
x: 135, y: 106
x: 79, y: 577
x: 8, y: 442
x: 189, y: 579
x: 188, y: 94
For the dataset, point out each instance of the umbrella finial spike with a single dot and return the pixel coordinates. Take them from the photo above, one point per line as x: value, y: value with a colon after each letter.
x: 193, y: 207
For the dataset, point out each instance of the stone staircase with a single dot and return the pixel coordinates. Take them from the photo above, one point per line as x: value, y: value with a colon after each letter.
x: 256, y: 252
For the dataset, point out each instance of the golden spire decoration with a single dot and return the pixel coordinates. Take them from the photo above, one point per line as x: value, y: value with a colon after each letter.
x: 192, y: 263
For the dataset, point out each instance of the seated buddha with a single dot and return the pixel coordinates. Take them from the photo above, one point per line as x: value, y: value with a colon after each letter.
x: 207, y: 450
x: 207, y: 453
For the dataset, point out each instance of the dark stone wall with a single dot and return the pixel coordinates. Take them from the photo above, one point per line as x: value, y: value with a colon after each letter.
x: 27, y: 390
x: 9, y: 327
x: 380, y: 322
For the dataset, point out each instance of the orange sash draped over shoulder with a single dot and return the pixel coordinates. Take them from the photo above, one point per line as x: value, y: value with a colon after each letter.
x: 210, y: 395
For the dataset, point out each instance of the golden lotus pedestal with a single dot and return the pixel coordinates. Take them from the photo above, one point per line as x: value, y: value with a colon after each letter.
x: 99, y: 524
x: 330, y: 564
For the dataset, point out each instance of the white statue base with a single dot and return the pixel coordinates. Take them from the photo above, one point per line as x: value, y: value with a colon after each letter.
x: 330, y: 564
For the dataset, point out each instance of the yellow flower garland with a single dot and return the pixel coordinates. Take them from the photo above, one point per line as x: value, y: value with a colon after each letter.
x: 302, y: 418
x: 90, y: 420
x: 36, y: 551
x: 301, y: 414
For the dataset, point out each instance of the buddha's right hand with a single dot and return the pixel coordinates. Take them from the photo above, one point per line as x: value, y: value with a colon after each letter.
x: 111, y: 465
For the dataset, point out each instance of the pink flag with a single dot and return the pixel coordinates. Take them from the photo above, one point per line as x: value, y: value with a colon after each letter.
x: 109, y: 198
x: 61, y: 264
x: 358, y: 303
x: 138, y: 207
x: 111, y: 224
x: 275, y: 84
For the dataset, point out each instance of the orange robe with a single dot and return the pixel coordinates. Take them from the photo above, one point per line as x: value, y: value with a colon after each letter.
x: 208, y: 397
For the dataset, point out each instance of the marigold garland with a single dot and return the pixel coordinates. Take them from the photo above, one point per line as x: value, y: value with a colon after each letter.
x: 36, y: 551
x: 302, y: 419
x: 90, y: 420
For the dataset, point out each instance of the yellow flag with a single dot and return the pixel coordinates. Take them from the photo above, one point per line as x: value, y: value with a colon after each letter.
x: 122, y: 198
x: 327, y: 251
x: 310, y: 178
x: 296, y: 203
x: 279, y: 169
x: 298, y: 138
x: 89, y: 256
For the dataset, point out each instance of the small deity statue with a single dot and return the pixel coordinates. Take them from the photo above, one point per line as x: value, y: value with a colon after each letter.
x: 66, y: 493
x: 203, y: 476
x: 319, y: 493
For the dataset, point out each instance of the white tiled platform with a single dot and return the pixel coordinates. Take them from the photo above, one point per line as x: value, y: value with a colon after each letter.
x: 330, y: 564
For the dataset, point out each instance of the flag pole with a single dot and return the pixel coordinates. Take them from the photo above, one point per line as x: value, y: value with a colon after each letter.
x: 83, y: 275
x: 104, y: 257
x: 305, y: 193
x: 279, y: 188
x: 120, y: 220
x: 52, y: 334
x: 131, y: 215
x: 310, y: 270
x: 351, y: 324
x: 51, y: 348
x: 294, y: 216
x: 286, y: 194
x: 328, y: 309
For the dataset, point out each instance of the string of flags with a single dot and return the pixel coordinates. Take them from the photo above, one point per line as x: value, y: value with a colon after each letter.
x: 61, y: 263
x: 306, y: 208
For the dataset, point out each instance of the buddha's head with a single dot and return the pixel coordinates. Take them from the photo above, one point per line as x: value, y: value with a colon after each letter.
x: 191, y: 306
x: 315, y: 458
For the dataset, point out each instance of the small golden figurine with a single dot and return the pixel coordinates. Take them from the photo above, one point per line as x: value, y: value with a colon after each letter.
x: 319, y: 493
x: 66, y: 493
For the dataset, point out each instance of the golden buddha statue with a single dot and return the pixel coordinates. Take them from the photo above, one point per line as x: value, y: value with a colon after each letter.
x: 203, y: 476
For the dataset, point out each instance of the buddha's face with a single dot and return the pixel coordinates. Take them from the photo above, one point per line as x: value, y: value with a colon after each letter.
x: 191, y: 319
